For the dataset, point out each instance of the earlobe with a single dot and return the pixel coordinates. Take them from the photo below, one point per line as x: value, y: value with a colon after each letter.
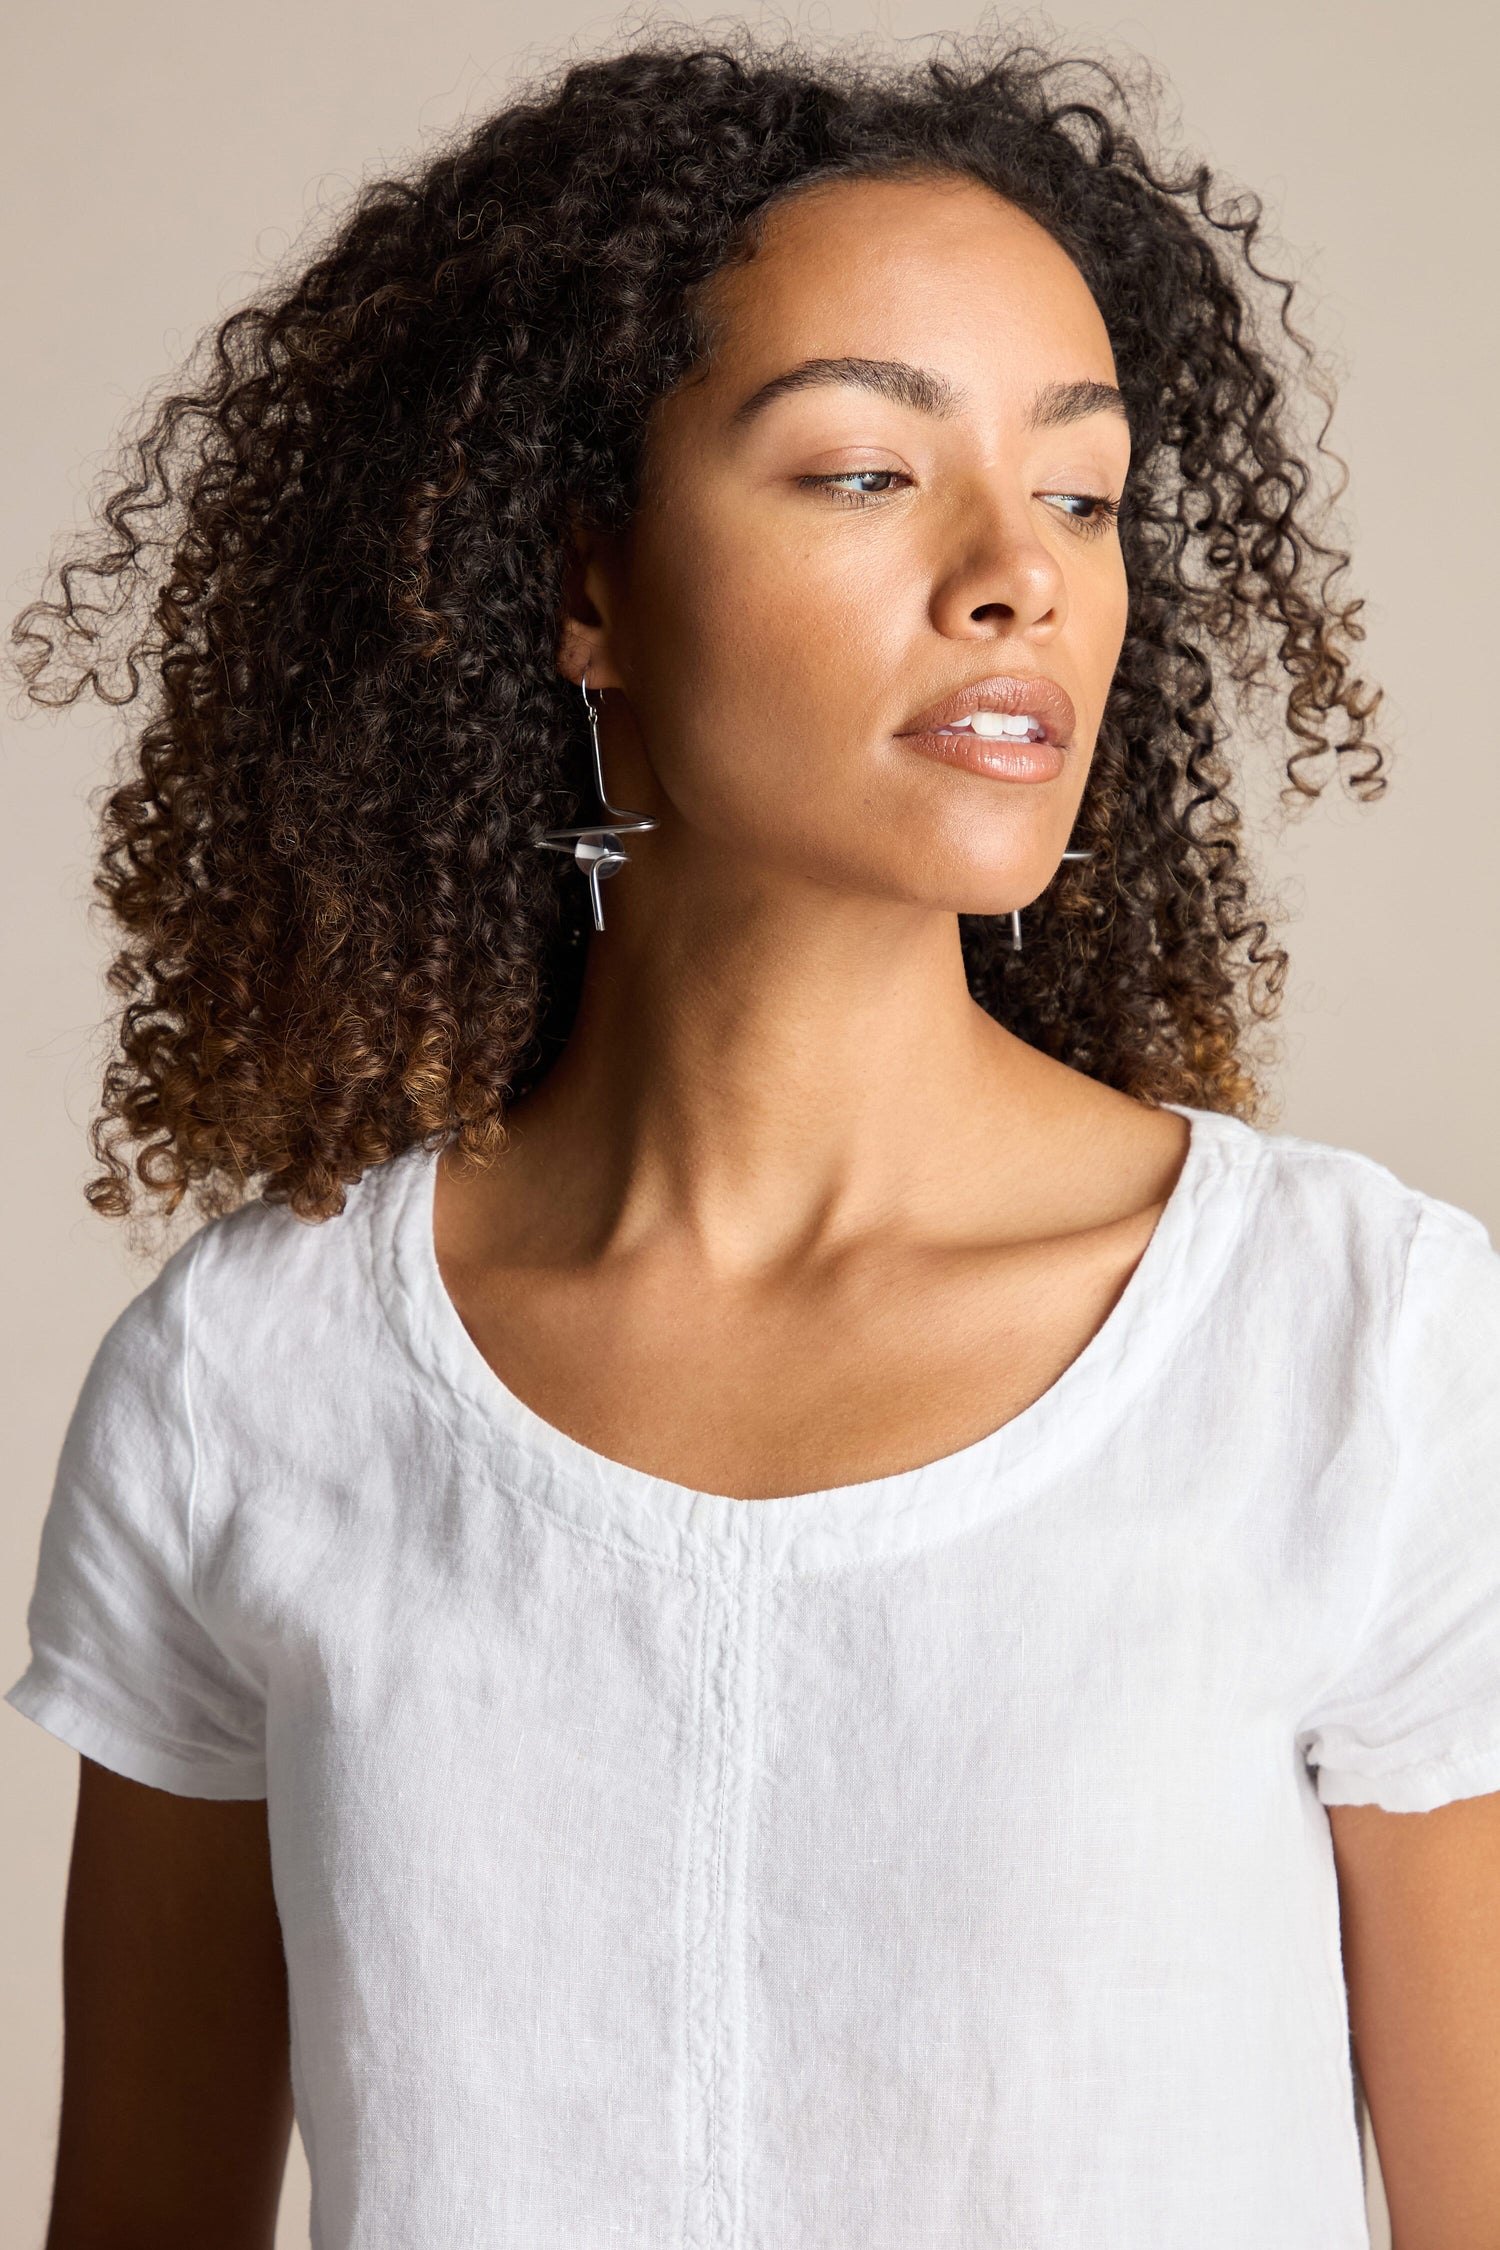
x: 578, y: 619
x: 577, y: 650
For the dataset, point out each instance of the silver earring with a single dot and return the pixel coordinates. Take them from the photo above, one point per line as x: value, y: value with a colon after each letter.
x: 1015, y: 912
x: 597, y: 848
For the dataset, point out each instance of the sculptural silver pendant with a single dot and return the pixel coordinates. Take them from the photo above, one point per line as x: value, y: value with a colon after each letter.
x: 596, y: 848
x: 1015, y: 912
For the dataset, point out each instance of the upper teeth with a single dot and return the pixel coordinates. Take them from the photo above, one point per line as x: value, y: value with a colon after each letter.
x: 1015, y: 723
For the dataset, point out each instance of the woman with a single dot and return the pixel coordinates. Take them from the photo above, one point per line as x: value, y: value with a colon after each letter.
x: 781, y: 1575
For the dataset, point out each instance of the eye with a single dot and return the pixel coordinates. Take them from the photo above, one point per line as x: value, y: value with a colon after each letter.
x: 844, y: 485
x: 836, y: 484
x: 1104, y: 512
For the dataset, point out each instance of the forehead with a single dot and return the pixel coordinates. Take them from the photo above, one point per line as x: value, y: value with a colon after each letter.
x: 880, y: 266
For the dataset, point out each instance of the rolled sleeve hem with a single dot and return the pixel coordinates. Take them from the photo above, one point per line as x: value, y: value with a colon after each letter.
x: 1416, y: 1788
x: 37, y: 1695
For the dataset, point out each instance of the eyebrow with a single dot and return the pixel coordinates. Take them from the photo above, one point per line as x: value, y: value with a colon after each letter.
x: 928, y: 392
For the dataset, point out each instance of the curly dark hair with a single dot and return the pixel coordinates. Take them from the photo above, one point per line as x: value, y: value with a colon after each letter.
x: 333, y: 565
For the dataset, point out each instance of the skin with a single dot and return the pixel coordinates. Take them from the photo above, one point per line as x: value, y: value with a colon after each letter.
x: 176, y: 2096
x: 1419, y: 1907
x: 784, y: 1156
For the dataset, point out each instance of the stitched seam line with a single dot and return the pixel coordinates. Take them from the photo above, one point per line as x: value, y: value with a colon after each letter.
x: 752, y: 1741
x: 731, y: 1683
x: 689, y: 1890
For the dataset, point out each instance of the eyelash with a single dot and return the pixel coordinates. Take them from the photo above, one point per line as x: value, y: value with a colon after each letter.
x: 1106, y: 511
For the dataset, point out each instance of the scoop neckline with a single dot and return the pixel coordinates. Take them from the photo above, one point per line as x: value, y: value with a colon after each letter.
x: 878, y: 1517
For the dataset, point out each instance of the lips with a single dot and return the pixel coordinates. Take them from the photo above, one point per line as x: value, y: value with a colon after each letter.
x: 1014, y: 694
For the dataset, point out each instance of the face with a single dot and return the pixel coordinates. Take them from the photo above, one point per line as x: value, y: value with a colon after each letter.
x: 812, y: 569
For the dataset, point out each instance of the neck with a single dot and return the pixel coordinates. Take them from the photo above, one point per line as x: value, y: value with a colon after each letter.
x: 770, y: 1081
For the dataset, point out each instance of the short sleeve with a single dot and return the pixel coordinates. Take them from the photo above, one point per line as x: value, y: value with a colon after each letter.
x: 123, y: 1667
x: 1414, y: 1721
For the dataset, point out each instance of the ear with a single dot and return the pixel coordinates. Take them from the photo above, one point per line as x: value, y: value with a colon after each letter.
x: 589, y: 598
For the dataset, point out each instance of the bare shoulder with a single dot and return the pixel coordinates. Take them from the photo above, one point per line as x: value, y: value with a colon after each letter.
x: 1139, y: 1148
x: 1096, y: 1158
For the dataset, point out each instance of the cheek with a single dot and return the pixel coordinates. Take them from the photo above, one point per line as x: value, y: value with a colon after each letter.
x: 750, y: 663
x: 1109, y: 604
x: 747, y: 597
x: 1098, y: 614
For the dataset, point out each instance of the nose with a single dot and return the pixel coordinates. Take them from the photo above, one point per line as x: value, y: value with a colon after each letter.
x: 1000, y: 577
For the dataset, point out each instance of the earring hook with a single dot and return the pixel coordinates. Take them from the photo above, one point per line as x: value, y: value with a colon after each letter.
x: 1015, y: 912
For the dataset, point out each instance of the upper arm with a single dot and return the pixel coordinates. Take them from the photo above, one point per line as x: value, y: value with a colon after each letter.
x: 1419, y: 1899
x: 176, y: 2094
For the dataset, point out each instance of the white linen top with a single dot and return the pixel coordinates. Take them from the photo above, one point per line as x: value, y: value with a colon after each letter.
x: 937, y: 1862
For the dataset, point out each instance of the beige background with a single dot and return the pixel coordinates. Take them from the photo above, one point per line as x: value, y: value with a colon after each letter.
x: 157, y: 156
